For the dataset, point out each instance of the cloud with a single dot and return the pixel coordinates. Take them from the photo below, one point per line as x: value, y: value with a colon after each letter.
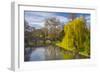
x: 38, y: 18
x: 88, y: 20
x: 62, y: 19
x: 87, y: 17
x: 37, y: 24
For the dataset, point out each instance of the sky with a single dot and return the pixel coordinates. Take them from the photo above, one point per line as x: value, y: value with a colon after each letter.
x: 36, y: 18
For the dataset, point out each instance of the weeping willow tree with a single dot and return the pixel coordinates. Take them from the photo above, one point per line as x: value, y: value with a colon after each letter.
x: 76, y: 38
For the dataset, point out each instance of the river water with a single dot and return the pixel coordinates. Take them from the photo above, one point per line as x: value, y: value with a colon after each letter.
x: 46, y: 53
x: 38, y: 54
x: 42, y: 53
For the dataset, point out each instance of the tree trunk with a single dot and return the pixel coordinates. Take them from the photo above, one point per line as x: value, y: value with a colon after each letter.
x: 76, y: 52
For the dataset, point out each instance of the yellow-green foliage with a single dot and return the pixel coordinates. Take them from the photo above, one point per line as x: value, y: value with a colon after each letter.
x: 67, y: 56
x: 77, y: 37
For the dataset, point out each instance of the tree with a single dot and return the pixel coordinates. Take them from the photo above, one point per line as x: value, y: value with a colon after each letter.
x: 53, y: 26
x: 72, y: 16
x: 77, y: 38
x: 28, y: 32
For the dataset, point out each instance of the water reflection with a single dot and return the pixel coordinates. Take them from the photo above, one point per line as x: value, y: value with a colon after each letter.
x: 38, y: 54
x: 42, y: 53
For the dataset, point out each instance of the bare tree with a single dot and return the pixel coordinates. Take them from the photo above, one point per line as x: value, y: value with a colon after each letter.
x: 72, y: 16
x: 54, y: 26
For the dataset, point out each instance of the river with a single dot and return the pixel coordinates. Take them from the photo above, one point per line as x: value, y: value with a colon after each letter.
x: 42, y: 53
x: 38, y: 54
x: 47, y: 53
